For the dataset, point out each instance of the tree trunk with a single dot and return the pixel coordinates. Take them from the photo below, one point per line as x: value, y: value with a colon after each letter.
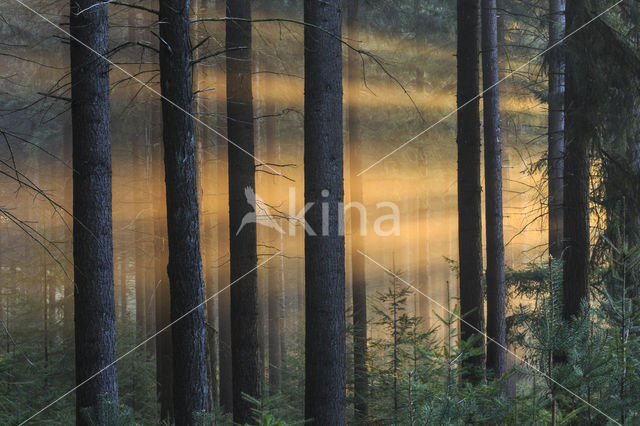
x: 164, y: 356
x: 210, y: 263
x: 469, y: 188
x: 94, y: 304
x: 576, y: 175
x: 323, y: 183
x: 242, y: 245
x: 359, y: 285
x: 556, y: 127
x: 190, y: 392
x: 67, y: 304
x: 224, y: 298
x: 496, y: 326
x: 149, y: 265
x: 138, y: 232
x: 275, y: 294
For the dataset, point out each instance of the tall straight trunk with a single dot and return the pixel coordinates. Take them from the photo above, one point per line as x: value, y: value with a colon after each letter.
x: 323, y: 184
x: 555, y: 154
x: 210, y: 265
x: 576, y: 174
x: 190, y: 386
x: 224, y: 298
x: 359, y: 285
x: 469, y: 188
x: 148, y: 229
x: 245, y: 348
x: 164, y: 356
x: 67, y: 304
x: 46, y: 308
x: 94, y: 304
x: 138, y: 240
x: 275, y: 294
x: 496, y: 326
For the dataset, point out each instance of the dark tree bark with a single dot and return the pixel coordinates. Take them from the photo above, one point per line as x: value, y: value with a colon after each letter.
x: 190, y: 391
x: 94, y: 303
x: 496, y: 326
x: 323, y: 183
x: 556, y: 127
x: 164, y: 355
x: 469, y: 188
x: 359, y: 289
x: 242, y: 245
x: 576, y: 173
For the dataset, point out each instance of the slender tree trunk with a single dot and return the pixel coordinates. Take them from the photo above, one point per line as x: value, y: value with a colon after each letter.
x: 359, y: 285
x: 496, y: 326
x: 275, y: 294
x: 164, y: 355
x: 576, y: 175
x: 94, y: 304
x: 137, y: 226
x: 556, y: 127
x: 211, y: 283
x: 224, y: 299
x: 45, y: 317
x: 469, y: 188
x: 323, y: 184
x: 149, y: 231
x: 67, y: 304
x: 244, y: 301
x: 190, y: 386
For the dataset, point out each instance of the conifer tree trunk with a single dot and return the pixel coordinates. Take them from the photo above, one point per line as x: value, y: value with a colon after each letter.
x: 469, y: 188
x: 164, y: 355
x: 190, y: 385
x: 576, y: 173
x: 242, y: 245
x: 211, y: 273
x: 138, y: 232
x: 67, y: 304
x: 359, y: 291
x: 556, y: 127
x: 275, y: 293
x: 94, y: 304
x: 323, y: 183
x: 496, y: 326
x: 224, y: 298
x: 148, y: 229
